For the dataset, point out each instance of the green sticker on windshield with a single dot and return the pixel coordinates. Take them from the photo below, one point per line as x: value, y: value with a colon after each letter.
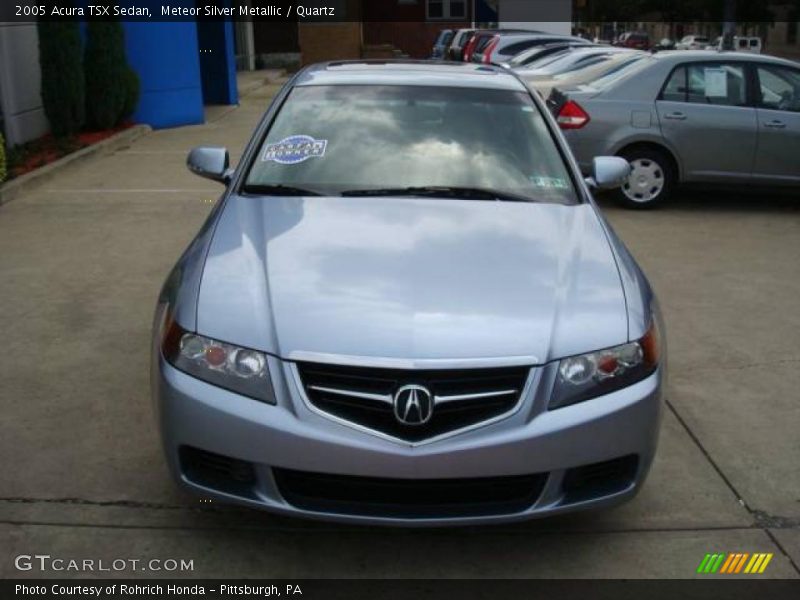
x: 550, y: 182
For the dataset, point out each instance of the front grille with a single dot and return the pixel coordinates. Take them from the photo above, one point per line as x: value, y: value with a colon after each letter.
x: 408, y: 498
x: 217, y: 472
x: 365, y: 396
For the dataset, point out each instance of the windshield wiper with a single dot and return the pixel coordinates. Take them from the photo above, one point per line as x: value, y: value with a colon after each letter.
x: 443, y: 191
x: 279, y: 190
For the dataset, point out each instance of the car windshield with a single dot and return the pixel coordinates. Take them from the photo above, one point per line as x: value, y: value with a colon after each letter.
x: 569, y: 71
x: 540, y: 52
x: 609, y: 65
x: 444, y: 37
x: 518, y: 59
x: 547, y: 60
x: 618, y: 74
x: 336, y: 139
x: 572, y: 60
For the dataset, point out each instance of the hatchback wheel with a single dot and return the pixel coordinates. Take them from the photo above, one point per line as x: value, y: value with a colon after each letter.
x: 651, y: 180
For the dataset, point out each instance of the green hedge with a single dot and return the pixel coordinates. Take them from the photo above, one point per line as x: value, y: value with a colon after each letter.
x: 109, y: 84
x: 63, y: 88
x: 132, y: 87
x: 2, y: 159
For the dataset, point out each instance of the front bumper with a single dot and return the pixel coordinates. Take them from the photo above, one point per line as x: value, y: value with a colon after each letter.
x: 290, y: 436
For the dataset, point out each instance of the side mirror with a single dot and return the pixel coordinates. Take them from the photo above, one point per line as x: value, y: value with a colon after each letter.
x: 211, y: 162
x: 608, y: 172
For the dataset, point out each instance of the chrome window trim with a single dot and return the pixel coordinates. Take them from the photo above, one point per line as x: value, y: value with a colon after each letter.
x: 377, y: 362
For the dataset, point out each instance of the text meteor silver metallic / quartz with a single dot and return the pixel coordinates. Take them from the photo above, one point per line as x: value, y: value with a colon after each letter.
x: 406, y: 309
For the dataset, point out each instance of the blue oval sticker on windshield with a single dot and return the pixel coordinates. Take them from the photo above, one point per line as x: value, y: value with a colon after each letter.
x: 294, y: 149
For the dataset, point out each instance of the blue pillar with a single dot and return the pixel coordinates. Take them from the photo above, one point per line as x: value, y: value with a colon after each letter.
x: 166, y: 57
x: 217, y: 61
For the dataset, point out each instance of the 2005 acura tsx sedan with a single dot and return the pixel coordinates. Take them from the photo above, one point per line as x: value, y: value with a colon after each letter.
x: 407, y: 309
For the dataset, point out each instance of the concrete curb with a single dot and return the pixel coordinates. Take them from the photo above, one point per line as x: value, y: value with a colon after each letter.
x: 13, y: 188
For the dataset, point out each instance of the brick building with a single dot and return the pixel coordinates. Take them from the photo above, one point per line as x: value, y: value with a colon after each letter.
x: 387, y: 28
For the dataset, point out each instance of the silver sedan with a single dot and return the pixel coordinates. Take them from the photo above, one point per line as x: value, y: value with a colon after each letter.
x: 689, y: 116
x: 407, y: 309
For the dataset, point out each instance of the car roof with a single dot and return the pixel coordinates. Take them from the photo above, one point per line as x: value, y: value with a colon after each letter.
x: 578, y: 51
x: 507, y: 32
x: 560, y: 45
x: 677, y: 56
x: 600, y: 48
x: 410, y: 72
x: 519, y: 35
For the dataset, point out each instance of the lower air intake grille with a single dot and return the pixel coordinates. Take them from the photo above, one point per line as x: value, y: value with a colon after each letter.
x: 457, y: 398
x: 408, y: 498
x: 600, y: 479
x: 217, y: 472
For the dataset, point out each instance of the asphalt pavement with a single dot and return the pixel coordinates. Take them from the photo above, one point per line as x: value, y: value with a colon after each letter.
x: 82, y: 258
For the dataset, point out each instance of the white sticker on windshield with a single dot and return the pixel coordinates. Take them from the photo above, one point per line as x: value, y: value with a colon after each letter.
x: 550, y: 182
x: 716, y: 82
x: 294, y: 149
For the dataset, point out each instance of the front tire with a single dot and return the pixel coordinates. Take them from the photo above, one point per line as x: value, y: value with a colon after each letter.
x: 651, y: 181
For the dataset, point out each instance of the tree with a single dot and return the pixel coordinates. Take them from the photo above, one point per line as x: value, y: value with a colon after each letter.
x: 132, y: 87
x: 61, y: 65
x: 106, y: 74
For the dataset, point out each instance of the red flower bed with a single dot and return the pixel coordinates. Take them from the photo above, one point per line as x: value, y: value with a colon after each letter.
x: 26, y: 157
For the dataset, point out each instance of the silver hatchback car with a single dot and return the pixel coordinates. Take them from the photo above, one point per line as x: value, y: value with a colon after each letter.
x: 697, y: 117
x: 407, y: 309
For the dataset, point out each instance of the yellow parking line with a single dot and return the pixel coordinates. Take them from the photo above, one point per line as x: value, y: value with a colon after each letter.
x: 754, y: 561
x: 765, y: 563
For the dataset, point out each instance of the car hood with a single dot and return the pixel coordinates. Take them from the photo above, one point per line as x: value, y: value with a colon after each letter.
x: 411, y: 279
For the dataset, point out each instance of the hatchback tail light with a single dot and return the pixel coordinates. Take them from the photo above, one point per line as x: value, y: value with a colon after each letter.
x: 572, y: 116
x: 487, y: 54
x: 467, y: 54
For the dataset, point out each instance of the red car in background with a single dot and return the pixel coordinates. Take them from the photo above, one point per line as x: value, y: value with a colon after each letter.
x: 634, y: 39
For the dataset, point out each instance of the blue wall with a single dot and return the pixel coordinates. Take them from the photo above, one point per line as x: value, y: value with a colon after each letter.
x: 175, y: 82
x: 166, y: 57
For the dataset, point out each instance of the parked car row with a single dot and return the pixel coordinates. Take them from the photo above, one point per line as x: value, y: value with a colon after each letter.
x: 575, y: 66
x: 500, y: 45
x: 493, y: 46
x: 694, y: 114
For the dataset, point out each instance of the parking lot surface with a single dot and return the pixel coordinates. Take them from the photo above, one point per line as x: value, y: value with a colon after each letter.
x: 82, y: 259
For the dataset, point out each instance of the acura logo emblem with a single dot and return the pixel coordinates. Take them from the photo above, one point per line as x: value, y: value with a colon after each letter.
x: 413, y: 405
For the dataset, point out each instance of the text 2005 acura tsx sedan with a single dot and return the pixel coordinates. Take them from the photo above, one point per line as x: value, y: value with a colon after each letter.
x: 407, y: 309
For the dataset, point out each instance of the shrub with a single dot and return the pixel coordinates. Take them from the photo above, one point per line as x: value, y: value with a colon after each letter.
x: 131, y: 93
x: 61, y: 64
x: 2, y: 159
x: 106, y: 74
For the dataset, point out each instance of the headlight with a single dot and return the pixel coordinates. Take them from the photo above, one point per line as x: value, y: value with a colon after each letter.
x: 239, y: 370
x: 590, y: 375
